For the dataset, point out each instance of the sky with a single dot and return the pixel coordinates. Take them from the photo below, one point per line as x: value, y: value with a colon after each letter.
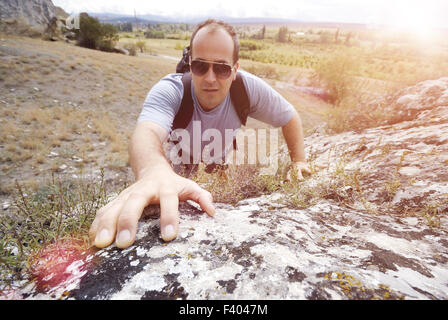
x: 398, y: 13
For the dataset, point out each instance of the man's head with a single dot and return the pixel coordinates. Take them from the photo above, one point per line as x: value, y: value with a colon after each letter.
x: 213, y: 41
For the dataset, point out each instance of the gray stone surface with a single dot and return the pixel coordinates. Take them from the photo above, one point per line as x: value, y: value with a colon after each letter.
x: 257, y: 251
x: 35, y: 13
x: 376, y: 228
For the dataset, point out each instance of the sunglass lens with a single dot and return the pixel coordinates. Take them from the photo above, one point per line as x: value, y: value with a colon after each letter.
x: 222, y: 71
x: 199, y: 68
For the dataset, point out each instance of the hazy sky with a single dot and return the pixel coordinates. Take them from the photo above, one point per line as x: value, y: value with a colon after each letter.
x: 403, y: 13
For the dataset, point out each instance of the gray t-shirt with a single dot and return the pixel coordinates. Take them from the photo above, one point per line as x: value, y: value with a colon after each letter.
x: 164, y: 99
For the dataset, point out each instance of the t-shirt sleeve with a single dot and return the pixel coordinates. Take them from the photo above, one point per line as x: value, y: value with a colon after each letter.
x: 163, y: 101
x: 266, y: 104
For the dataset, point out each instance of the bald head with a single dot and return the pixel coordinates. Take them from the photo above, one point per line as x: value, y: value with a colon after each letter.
x: 213, y: 26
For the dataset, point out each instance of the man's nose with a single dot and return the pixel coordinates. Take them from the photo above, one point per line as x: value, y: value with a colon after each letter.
x: 210, y: 75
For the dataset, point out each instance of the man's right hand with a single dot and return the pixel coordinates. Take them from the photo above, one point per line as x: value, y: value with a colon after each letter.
x: 118, y: 219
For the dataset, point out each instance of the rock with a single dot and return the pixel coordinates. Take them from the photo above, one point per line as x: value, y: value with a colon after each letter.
x: 70, y: 35
x: 35, y: 14
x: 250, y: 252
x: 121, y: 50
x: 6, y: 205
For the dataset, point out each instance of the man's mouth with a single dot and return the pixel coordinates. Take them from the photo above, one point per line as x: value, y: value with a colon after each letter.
x: 210, y: 90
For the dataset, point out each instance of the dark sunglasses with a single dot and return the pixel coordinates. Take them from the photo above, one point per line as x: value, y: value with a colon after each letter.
x: 221, y: 70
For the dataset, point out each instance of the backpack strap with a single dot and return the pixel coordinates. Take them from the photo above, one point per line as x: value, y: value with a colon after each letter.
x: 240, y: 99
x: 185, y: 113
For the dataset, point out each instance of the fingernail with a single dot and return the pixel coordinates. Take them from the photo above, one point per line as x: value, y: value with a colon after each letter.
x: 102, y: 237
x: 168, y: 233
x: 123, y: 237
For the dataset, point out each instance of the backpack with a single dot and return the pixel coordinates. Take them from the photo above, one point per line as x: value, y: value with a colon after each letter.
x: 238, y: 95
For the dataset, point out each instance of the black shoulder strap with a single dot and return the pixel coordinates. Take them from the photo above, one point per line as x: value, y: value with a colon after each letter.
x: 240, y: 100
x: 238, y: 95
x: 185, y: 113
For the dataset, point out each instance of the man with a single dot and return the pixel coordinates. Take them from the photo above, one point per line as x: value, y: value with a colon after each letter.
x: 214, y: 64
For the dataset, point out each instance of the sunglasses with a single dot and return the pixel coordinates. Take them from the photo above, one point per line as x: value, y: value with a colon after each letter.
x: 221, y: 70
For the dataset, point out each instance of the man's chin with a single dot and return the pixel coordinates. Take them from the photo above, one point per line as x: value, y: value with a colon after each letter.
x: 208, y: 104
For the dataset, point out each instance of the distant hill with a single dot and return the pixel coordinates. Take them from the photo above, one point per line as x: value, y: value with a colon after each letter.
x: 152, y: 19
x: 148, y: 18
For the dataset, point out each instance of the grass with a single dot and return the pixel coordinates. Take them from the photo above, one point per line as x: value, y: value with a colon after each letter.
x: 57, y: 211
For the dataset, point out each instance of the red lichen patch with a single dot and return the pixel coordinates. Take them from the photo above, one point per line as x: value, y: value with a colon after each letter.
x: 49, y: 267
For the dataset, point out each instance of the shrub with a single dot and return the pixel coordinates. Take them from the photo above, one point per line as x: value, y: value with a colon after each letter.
x: 282, y: 34
x: 95, y: 35
x: 155, y: 34
x: 335, y: 73
x: 251, y: 45
x: 141, y: 45
x: 132, y: 48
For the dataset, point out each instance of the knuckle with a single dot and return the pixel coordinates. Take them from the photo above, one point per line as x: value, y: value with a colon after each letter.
x: 136, y: 196
x: 104, y: 221
x: 167, y: 191
x: 125, y: 220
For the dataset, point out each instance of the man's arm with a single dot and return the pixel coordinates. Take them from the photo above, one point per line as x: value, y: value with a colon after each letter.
x: 156, y: 182
x: 145, y: 149
x: 293, y: 134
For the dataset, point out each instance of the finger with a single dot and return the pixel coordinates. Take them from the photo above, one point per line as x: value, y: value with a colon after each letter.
x: 305, y: 169
x: 128, y: 219
x: 169, y: 215
x: 107, y: 224
x: 205, y: 200
x: 202, y: 197
x: 94, y: 226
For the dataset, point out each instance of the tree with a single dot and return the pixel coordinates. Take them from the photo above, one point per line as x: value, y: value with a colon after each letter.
x: 282, y: 34
x: 95, y: 35
x: 109, y: 35
x: 262, y: 33
x: 347, y: 39
x: 89, y: 33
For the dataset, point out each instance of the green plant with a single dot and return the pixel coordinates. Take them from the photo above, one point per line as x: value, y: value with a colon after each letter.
x: 95, y: 35
x: 132, y: 48
x: 336, y: 74
x: 141, y: 45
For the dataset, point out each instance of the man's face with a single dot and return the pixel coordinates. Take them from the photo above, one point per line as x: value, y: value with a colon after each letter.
x: 214, y: 46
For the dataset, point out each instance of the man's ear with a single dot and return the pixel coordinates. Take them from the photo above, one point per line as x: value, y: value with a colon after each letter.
x: 237, y: 65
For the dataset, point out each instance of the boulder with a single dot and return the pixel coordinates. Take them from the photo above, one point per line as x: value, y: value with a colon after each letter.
x: 253, y: 251
x: 120, y: 50
x: 32, y: 17
x: 36, y: 13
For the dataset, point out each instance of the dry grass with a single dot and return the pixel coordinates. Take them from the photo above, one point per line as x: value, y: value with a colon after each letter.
x: 56, y: 96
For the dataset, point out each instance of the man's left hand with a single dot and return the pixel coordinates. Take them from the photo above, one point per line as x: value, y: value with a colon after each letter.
x: 297, y: 171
